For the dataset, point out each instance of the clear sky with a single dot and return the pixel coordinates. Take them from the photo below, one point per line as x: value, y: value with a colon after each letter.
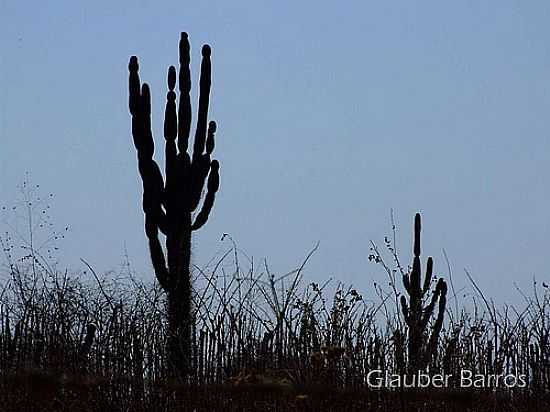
x: 329, y: 115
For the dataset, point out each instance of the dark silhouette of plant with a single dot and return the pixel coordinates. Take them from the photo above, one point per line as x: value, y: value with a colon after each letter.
x: 421, y: 344
x: 169, y: 206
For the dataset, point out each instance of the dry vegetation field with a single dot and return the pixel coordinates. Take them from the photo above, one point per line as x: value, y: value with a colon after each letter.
x: 97, y: 342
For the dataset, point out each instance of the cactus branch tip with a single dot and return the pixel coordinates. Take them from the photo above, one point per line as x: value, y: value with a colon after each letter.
x: 171, y: 78
x: 417, y: 222
x: 133, y: 65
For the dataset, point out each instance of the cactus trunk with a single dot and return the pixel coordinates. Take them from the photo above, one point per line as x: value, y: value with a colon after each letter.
x: 179, y: 304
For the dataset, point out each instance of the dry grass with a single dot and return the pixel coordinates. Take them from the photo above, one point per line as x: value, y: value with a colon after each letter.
x: 262, y: 342
x: 258, y: 337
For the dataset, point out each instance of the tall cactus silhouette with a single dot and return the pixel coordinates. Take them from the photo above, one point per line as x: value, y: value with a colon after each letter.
x: 421, y: 344
x: 169, y: 205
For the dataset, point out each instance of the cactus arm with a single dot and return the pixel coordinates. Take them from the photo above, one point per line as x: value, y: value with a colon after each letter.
x: 417, y: 229
x: 405, y: 310
x: 134, y: 85
x: 210, y: 137
x: 200, y: 164
x: 146, y: 145
x: 184, y: 126
x: 204, y: 98
x: 162, y: 221
x: 415, y: 292
x: 170, y: 134
x: 407, y: 283
x: 184, y: 109
x: 159, y: 262
x: 153, y: 185
x: 415, y: 277
x: 429, y: 274
x: 434, y: 337
x: 137, y: 104
x: 213, y: 186
x: 415, y: 274
x: 428, y: 311
x: 199, y: 172
x: 170, y: 116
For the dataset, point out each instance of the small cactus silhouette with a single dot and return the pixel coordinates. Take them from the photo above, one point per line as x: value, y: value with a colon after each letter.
x: 169, y: 205
x: 421, y: 347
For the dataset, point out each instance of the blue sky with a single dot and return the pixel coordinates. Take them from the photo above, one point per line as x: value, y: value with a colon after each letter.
x: 329, y: 116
